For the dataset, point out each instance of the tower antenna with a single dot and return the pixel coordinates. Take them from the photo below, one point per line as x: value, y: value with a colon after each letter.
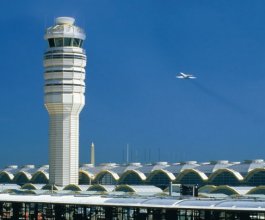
x: 127, y: 154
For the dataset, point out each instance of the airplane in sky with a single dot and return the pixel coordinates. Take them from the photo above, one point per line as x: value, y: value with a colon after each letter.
x: 185, y: 76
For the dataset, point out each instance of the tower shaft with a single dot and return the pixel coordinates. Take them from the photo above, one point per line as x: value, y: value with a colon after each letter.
x: 64, y: 151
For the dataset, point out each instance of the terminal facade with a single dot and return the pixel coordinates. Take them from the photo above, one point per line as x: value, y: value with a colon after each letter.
x: 96, y: 207
x: 246, y: 173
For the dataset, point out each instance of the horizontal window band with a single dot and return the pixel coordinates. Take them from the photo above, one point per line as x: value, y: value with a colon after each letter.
x: 63, y: 52
x: 65, y: 42
x: 48, y: 59
x: 63, y: 84
x: 63, y: 71
x: 64, y: 56
x: 60, y: 93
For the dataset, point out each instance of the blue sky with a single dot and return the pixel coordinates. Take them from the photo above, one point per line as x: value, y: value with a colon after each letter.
x: 134, y: 49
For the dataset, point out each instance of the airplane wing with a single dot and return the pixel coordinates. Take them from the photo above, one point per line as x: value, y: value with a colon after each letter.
x: 184, y: 75
x: 180, y: 77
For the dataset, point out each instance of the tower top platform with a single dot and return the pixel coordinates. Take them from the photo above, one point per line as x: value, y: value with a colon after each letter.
x: 65, y: 27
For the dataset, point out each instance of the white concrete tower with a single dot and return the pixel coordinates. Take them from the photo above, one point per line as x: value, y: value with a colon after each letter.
x: 64, y: 63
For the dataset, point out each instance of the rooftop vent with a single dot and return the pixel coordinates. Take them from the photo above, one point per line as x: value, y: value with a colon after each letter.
x: 222, y: 161
x: 134, y: 164
x: 258, y: 161
x: 236, y: 162
x: 108, y: 164
x: 29, y: 166
x: 191, y: 162
x: 12, y: 166
x: 207, y: 163
x: 160, y: 163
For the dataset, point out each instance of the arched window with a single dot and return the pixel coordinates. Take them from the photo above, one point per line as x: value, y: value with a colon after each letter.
x: 39, y: 178
x: 84, y: 179
x: 190, y: 178
x: 5, y: 178
x: 159, y: 179
x: 225, y: 178
x: 21, y: 178
x: 257, y: 178
x: 105, y: 178
x: 131, y: 179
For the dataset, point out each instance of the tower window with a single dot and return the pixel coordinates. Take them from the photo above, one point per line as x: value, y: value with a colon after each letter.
x: 76, y: 42
x: 58, y: 42
x: 67, y: 42
x: 81, y: 43
x: 51, y: 42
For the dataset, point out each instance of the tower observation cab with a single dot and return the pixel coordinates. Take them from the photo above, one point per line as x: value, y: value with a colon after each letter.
x: 64, y: 63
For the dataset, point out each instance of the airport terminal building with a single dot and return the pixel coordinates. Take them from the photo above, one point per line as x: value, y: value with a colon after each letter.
x: 160, y: 174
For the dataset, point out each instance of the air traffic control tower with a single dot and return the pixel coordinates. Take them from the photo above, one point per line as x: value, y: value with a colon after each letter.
x: 64, y: 63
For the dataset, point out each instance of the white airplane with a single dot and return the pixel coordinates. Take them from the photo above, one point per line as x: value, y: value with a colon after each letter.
x: 185, y: 76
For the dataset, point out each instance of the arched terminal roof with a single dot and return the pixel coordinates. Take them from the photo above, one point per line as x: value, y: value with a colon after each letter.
x: 210, y: 167
x: 101, y: 188
x: 6, y: 177
x: 136, y: 172
x: 257, y: 190
x: 248, y: 165
x: 12, y: 169
x: 41, y: 176
x: 22, y: 177
x: 176, y: 168
x: 186, y: 172
x: 30, y: 186
x: 168, y: 174
x: 104, y: 172
x: 232, y: 190
x: 255, y: 177
x: 123, y: 168
x: 75, y: 187
x: 207, y: 189
x: 236, y: 174
x: 139, y: 189
x: 52, y: 187
x: 94, y: 170
x: 148, y: 168
x: 218, y: 173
